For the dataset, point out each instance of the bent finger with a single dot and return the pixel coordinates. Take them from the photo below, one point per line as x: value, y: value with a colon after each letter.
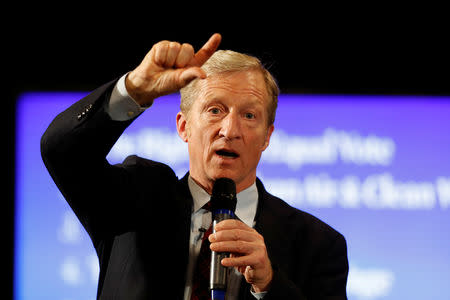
x: 234, y: 235
x: 189, y: 74
x: 184, y: 56
x: 239, y: 247
x: 241, y: 262
x: 232, y: 224
x: 172, y: 52
x: 160, y: 52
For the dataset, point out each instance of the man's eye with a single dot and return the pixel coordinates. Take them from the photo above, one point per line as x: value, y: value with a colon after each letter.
x: 249, y: 116
x: 214, y: 111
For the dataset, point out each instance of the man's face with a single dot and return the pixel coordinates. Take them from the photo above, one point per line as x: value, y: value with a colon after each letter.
x: 227, y: 128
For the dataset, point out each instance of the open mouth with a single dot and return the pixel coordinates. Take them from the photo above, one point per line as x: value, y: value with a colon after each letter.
x: 226, y: 153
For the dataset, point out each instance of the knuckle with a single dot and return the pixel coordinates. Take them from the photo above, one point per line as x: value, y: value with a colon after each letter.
x: 258, y: 235
x: 158, y: 59
x: 261, y: 238
x: 236, y: 235
x: 240, y: 247
x: 261, y: 259
x: 160, y: 51
x: 163, y: 45
x: 188, y: 47
x: 174, y: 45
x: 185, y: 53
x: 160, y: 45
x: 264, y: 250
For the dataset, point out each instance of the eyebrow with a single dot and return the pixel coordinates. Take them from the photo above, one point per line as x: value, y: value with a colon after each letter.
x: 247, y: 100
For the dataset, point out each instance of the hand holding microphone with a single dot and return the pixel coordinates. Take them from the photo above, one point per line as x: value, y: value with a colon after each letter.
x: 223, y: 204
x: 246, y: 245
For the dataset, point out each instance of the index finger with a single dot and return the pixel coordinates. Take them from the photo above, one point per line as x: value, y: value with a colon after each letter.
x: 206, y: 51
x: 232, y: 224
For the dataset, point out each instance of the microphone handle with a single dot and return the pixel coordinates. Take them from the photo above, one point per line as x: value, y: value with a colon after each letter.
x: 218, y: 275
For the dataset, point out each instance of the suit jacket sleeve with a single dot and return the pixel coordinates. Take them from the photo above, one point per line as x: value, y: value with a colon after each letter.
x: 74, y: 150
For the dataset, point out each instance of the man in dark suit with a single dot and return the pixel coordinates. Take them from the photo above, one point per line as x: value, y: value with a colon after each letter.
x: 147, y: 226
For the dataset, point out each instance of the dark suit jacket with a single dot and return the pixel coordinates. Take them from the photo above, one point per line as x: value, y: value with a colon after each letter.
x: 138, y: 217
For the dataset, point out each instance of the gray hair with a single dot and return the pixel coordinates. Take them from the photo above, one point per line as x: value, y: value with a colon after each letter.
x: 227, y: 61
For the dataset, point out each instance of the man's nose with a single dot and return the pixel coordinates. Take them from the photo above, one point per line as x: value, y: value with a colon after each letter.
x: 231, y: 126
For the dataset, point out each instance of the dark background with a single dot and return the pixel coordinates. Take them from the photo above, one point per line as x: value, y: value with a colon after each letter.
x: 357, y: 50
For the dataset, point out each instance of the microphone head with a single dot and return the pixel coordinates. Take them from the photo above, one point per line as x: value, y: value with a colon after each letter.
x: 224, y: 195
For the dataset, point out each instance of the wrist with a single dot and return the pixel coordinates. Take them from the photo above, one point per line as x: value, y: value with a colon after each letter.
x: 134, y: 84
x: 264, y: 285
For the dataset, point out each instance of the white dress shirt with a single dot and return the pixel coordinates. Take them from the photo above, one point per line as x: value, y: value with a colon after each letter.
x: 122, y: 107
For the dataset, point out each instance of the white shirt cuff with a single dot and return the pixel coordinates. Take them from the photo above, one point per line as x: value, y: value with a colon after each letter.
x: 122, y: 106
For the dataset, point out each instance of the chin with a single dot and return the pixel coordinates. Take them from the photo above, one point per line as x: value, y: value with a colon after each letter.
x: 236, y: 177
x: 225, y: 173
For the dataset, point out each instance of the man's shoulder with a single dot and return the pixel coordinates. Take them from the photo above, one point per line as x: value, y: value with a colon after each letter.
x: 147, y: 167
x: 137, y: 161
x: 308, y: 224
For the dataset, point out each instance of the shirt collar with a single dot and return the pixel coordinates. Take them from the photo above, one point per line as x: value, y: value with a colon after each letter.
x: 247, y: 201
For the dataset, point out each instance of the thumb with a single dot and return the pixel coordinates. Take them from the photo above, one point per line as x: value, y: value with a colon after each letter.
x: 189, y: 74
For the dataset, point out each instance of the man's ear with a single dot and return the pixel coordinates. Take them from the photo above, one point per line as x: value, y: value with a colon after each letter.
x: 269, y: 134
x: 182, y: 126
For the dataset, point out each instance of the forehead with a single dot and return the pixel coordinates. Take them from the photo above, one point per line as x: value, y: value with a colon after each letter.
x: 245, y: 86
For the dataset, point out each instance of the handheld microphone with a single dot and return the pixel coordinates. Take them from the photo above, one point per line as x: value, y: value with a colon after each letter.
x: 223, y: 204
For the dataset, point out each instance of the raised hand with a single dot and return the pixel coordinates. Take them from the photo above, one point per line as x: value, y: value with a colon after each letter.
x: 168, y: 67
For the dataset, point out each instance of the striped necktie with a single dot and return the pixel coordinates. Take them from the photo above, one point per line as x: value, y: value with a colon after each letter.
x: 200, y: 282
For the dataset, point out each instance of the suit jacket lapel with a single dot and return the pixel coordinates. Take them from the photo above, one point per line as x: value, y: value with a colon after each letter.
x: 273, y: 223
x: 181, y: 236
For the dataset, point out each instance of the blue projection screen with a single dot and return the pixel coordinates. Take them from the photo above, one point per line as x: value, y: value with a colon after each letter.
x: 376, y: 168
